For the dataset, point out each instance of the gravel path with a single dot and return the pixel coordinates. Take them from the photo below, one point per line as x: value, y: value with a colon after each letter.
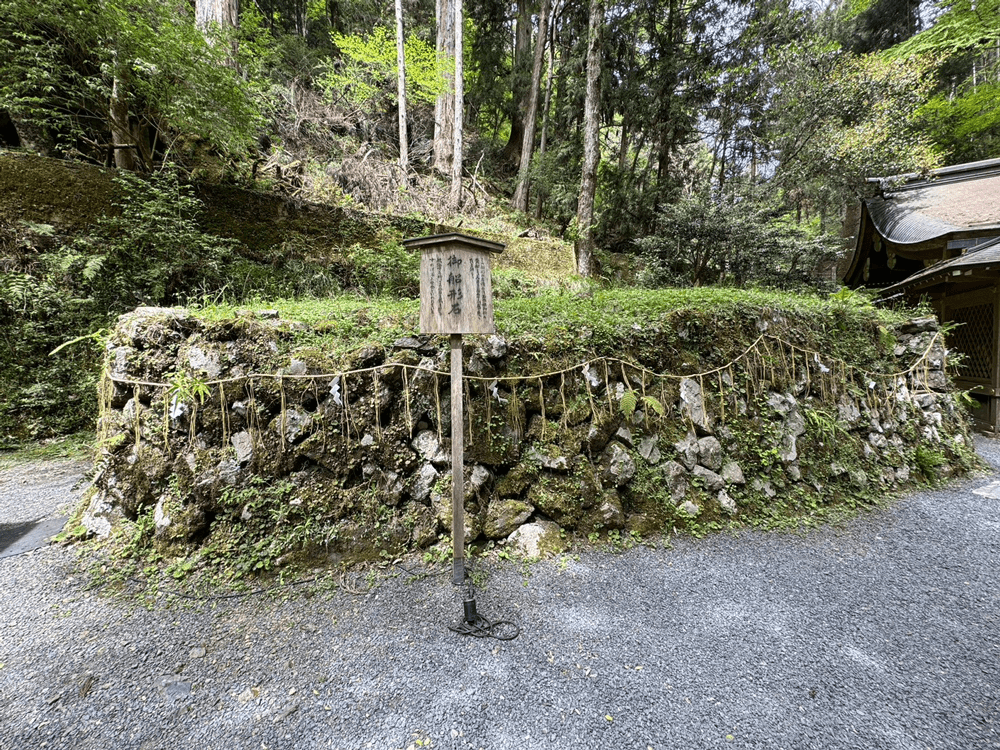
x: 882, y: 632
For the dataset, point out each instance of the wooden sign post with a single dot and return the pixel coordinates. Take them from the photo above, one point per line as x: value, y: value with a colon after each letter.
x: 456, y: 297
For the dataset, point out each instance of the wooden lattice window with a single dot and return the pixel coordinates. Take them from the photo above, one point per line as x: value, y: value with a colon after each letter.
x: 974, y: 339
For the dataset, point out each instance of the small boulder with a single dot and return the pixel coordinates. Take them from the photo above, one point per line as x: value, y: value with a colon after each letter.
x: 118, y: 359
x: 242, y: 443
x: 788, y: 450
x: 565, y: 498
x: 424, y: 531
x: 296, y: 368
x: 692, y: 405
x: 732, y: 473
x: 161, y: 517
x: 441, y: 505
x: 726, y: 502
x: 477, y: 479
x: 408, y: 342
x: 517, y: 480
x: 103, y: 511
x: 710, y: 453
x: 709, y: 479
x: 676, y: 477
x: 599, y: 434
x: 505, y: 516
x: 624, y: 436
x: 426, y: 444
x: 206, y: 361
x: 937, y: 380
x: 847, y: 410
x: 690, y: 508
x: 392, y: 488
x: 795, y: 423
x: 859, y: 479
x: 617, y: 466
x: 215, y: 480
x: 608, y: 514
x: 538, y: 539
x: 648, y: 449
x: 919, y: 325
x: 555, y: 462
x: 781, y: 403
x: 296, y: 424
x: 494, y: 347
x: 763, y: 487
x: 423, y: 482
x: 687, y: 450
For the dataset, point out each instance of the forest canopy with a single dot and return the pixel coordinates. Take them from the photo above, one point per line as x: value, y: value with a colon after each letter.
x: 629, y: 127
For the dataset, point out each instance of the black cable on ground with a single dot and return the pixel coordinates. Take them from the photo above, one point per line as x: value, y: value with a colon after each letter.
x: 474, y: 624
x: 477, y: 626
x: 483, y: 628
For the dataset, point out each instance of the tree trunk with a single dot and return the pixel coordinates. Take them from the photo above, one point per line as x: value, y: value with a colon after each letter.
x: 404, y: 154
x: 668, y: 83
x: 333, y: 13
x: 302, y: 18
x: 591, y: 142
x: 543, y: 142
x: 623, y: 146
x: 520, y: 202
x: 9, y: 137
x: 221, y: 14
x: 519, y: 80
x: 121, y: 133
x: 724, y: 146
x: 444, y: 108
x: 455, y: 198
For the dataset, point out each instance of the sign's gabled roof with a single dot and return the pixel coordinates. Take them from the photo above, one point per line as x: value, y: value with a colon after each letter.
x: 451, y: 237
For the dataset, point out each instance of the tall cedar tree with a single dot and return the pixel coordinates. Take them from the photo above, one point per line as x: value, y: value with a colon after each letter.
x: 591, y: 142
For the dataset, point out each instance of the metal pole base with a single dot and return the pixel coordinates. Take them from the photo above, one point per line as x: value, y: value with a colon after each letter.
x: 458, y: 571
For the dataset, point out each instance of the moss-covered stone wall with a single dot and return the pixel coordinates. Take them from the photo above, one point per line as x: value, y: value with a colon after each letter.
x: 231, y: 434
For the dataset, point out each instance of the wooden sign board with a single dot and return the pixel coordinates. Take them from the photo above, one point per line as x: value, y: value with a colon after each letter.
x: 456, y: 292
x: 456, y: 297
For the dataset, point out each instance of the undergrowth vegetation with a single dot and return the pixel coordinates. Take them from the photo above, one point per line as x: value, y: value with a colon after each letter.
x: 580, y: 320
x: 61, y: 292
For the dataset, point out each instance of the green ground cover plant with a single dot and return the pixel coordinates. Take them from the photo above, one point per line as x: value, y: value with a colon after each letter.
x: 561, y: 323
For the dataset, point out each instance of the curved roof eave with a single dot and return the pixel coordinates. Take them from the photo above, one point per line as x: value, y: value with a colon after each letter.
x: 936, y: 208
x: 905, y: 227
x: 984, y: 256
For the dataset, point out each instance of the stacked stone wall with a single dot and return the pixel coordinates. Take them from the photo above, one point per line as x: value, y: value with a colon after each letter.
x: 217, y: 430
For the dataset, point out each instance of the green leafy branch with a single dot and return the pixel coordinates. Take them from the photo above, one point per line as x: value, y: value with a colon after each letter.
x: 184, y: 387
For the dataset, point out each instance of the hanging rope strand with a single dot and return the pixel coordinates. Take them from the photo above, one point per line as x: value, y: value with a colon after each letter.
x: 759, y: 360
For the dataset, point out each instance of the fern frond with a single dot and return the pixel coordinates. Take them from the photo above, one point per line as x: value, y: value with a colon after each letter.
x: 93, y: 267
x: 628, y: 403
x: 653, y: 403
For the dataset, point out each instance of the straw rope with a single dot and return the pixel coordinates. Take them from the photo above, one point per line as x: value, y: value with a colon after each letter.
x: 761, y: 361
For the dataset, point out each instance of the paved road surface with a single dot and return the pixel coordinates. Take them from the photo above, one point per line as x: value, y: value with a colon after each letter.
x: 883, y: 632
